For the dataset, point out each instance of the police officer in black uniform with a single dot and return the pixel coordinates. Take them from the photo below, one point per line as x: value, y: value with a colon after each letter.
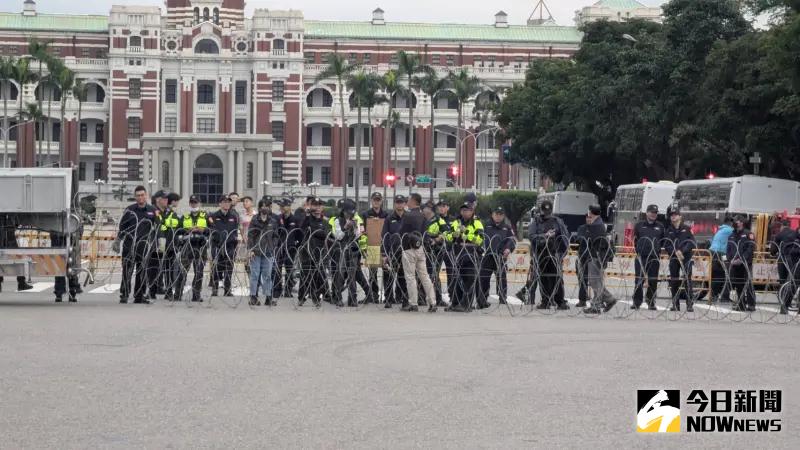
x: 376, y: 211
x: 498, y: 244
x: 157, y: 263
x: 289, y: 238
x: 312, y: 251
x: 136, y: 235
x: 741, y: 246
x: 8, y: 239
x: 549, y: 243
x: 443, y: 211
x: 224, y: 241
x: 582, y: 263
x: 786, y: 248
x: 345, y: 254
x: 679, y: 244
x: 392, y: 251
x: 648, y: 237
x: 192, y: 240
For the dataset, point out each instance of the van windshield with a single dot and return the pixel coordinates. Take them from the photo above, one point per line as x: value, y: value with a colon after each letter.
x: 630, y: 199
x: 704, y: 197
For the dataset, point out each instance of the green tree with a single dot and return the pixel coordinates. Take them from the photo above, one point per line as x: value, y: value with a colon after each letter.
x: 64, y: 79
x: 23, y: 76
x: 6, y: 76
x: 465, y: 87
x: 390, y: 84
x: 79, y: 92
x: 433, y: 86
x: 409, y: 65
x: 40, y: 51
x: 363, y: 86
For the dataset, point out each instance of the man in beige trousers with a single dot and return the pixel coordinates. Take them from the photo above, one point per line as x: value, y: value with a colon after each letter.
x: 414, y: 263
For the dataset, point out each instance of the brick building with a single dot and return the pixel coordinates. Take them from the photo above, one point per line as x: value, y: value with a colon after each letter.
x: 200, y: 98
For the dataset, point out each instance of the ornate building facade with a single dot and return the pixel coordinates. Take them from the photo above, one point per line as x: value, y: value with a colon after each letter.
x: 199, y: 98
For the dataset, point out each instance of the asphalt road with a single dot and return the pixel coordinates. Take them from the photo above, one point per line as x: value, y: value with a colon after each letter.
x: 102, y: 375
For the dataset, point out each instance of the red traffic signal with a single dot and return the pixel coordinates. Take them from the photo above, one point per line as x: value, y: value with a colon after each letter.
x: 390, y: 178
x: 711, y: 175
x: 454, y: 170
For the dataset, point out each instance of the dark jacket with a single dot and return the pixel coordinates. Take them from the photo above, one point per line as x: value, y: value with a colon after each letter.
x: 390, y: 235
x: 498, y: 238
x: 412, y: 229
x: 136, y: 223
x: 680, y: 238
x: 290, y: 232
x: 315, y: 232
x: 371, y: 214
x: 537, y: 230
x: 786, y: 246
x: 647, y: 238
x: 263, y: 235
x: 741, y: 244
x: 225, y: 228
x: 594, y: 243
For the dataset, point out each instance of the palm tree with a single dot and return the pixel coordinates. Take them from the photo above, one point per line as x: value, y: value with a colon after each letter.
x: 79, y: 93
x: 23, y: 75
x: 390, y: 84
x: 363, y: 86
x: 340, y: 69
x: 465, y: 86
x: 54, y: 69
x: 484, y: 112
x: 32, y: 113
x: 65, y: 80
x: 39, y: 50
x: 433, y: 86
x: 371, y: 100
x: 409, y: 65
x: 6, y: 75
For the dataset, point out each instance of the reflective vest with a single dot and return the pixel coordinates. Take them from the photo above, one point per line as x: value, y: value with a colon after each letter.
x: 202, y: 221
x: 170, y: 221
x: 362, y: 240
x: 472, y: 233
x: 437, y: 227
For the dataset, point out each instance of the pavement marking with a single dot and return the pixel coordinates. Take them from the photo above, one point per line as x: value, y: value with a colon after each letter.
x: 105, y: 289
x: 659, y: 308
x: 40, y: 286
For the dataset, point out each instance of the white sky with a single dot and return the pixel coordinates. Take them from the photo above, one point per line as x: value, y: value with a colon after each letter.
x: 458, y: 11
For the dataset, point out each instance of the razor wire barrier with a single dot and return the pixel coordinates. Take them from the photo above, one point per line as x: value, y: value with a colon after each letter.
x: 585, y: 277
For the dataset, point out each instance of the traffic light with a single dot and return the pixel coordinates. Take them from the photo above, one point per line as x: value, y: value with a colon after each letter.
x: 390, y: 178
x: 506, y: 153
x: 454, y: 171
x: 711, y: 176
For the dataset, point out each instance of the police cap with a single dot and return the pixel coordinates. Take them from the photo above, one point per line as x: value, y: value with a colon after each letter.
x: 173, y: 197
x: 194, y: 199
x: 376, y: 196
x: 546, y: 206
x: 594, y: 210
x: 466, y: 206
x: 471, y: 197
x: 400, y: 199
x: 224, y: 198
x: 652, y: 209
x: 499, y: 210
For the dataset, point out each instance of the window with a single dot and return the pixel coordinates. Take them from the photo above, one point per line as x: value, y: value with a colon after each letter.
x: 325, y: 179
x: 241, y: 92
x: 196, y: 15
x: 436, y: 60
x: 134, y: 88
x: 277, y: 91
x: 99, y: 133
x: 206, y: 47
x: 56, y: 51
x: 365, y: 179
x: 84, y: 133
x: 205, y: 92
x: 451, y: 141
x: 170, y: 124
x: 309, y: 174
x: 518, y: 62
x: 491, y: 61
x: 478, y: 61
x: 85, y: 53
x: 450, y: 60
x: 277, y: 171
x: 165, y: 173
x: 394, y: 59
x: 365, y: 137
x: 134, y: 127
x: 240, y: 126
x: 350, y: 176
x: 249, y: 176
x: 82, y: 171
x: 171, y: 91
x: 205, y: 15
x: 133, y: 170
x: 326, y: 136
x: 98, y: 170
x: 367, y: 58
x: 278, y: 44
x: 216, y: 16
x: 310, y: 57
x: 277, y: 131
x: 205, y: 125
x: 353, y: 58
x: 135, y: 41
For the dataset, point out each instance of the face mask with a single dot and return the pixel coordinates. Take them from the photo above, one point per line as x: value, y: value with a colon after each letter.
x: 193, y: 209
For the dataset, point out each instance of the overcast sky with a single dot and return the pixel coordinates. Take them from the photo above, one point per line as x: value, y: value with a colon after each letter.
x: 460, y: 11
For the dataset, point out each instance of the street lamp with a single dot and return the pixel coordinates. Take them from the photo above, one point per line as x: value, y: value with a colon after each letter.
x: 99, y: 183
x: 266, y: 187
x: 313, y: 186
x: 150, y: 183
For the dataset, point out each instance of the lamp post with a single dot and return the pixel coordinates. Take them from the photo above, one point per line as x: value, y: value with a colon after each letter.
x: 266, y: 184
x: 150, y: 183
x: 313, y: 186
x: 99, y: 183
x: 460, y: 143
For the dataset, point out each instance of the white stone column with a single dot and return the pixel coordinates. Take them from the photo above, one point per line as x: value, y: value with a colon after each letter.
x: 187, y: 173
x: 229, y: 171
x: 239, y: 171
x: 268, y: 168
x: 259, y: 173
x: 176, y: 173
x: 156, y: 169
x: 146, y: 157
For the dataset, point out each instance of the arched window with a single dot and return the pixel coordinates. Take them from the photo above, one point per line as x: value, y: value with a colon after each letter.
x: 196, y: 15
x: 319, y: 98
x: 206, y: 46
x: 165, y: 173
x: 207, y: 179
x: 135, y: 41
x: 205, y: 15
x: 216, y: 16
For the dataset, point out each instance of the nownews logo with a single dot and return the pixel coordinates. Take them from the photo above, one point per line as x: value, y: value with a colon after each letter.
x: 718, y: 411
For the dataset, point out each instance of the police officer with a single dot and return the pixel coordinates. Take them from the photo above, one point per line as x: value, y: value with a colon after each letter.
x: 263, y: 239
x: 786, y: 248
x: 443, y: 211
x: 162, y: 267
x: 224, y: 240
x: 59, y: 240
x: 549, y: 243
x: 376, y: 211
x: 135, y: 236
x: 392, y: 251
x: 582, y: 264
x: 312, y: 251
x: 741, y: 246
x: 192, y: 238
x: 435, y: 227
x: 289, y: 237
x: 466, y: 235
x: 648, y: 236
x: 599, y: 252
x: 347, y: 229
x: 8, y: 239
x: 679, y: 244
x: 498, y: 245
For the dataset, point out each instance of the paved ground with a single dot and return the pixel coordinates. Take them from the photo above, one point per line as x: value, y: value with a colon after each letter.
x: 103, y: 375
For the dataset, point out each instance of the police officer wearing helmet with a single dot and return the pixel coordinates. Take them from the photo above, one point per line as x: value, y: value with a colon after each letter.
x: 135, y: 236
x: 224, y: 242
x: 679, y: 244
x: 392, y: 252
x: 192, y: 238
x: 741, y: 246
x: 549, y: 243
x: 466, y: 236
x: 648, y: 237
x: 498, y: 245
x: 315, y: 229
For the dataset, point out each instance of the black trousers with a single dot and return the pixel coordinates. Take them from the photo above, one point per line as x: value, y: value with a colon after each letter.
x: 720, y: 287
x: 282, y: 279
x: 134, y: 262
x: 192, y: 258
x: 61, y: 285
x: 676, y: 281
x: 160, y: 273
x: 788, y: 272
x: 344, y: 265
x: 646, y: 269
x: 551, y: 281
x: 313, y: 284
x: 582, y: 269
x: 742, y: 282
x: 396, y: 281
x: 493, y: 264
x: 224, y: 257
x: 466, y: 274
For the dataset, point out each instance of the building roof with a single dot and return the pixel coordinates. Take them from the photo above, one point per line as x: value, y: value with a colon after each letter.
x: 620, y: 4
x: 54, y: 22
x: 440, y: 32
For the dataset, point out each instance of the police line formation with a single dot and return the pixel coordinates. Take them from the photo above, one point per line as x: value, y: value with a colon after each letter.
x: 325, y: 256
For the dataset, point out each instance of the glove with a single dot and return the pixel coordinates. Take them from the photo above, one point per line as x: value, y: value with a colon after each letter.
x: 115, y: 246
